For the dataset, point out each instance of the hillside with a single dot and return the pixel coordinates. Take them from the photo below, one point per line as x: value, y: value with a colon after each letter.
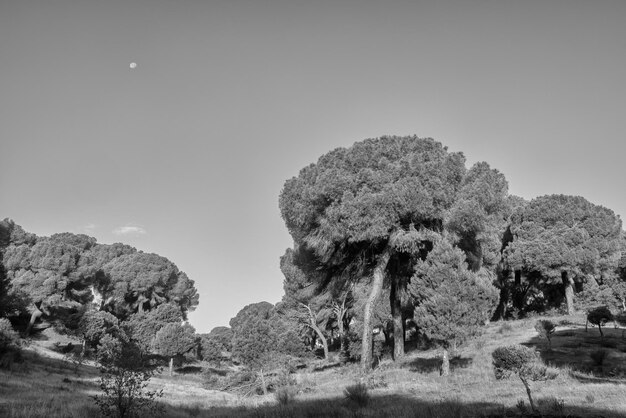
x: 48, y: 385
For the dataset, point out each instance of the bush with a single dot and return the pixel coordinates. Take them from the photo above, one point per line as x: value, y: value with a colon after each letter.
x: 10, y: 345
x: 545, y: 329
x: 598, y: 356
x: 357, y: 394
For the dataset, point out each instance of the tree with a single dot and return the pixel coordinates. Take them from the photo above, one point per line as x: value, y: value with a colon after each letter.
x: 452, y: 301
x: 564, y: 239
x: 46, y: 271
x: 173, y: 340
x: 139, y: 282
x: 598, y: 317
x: 521, y: 361
x: 352, y: 206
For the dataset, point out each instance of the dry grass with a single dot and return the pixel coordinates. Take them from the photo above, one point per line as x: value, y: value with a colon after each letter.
x: 48, y: 387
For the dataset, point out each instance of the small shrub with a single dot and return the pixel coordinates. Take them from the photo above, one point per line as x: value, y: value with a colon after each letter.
x: 598, y: 356
x: 523, y: 362
x: 285, y: 395
x: 589, y: 398
x: 554, y: 405
x: 376, y: 381
x: 521, y: 407
x: 505, y: 328
x: 357, y: 394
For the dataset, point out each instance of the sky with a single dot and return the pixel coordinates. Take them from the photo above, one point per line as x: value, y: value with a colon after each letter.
x: 186, y: 154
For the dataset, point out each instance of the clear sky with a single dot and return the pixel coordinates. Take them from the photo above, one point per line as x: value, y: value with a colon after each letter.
x: 185, y: 155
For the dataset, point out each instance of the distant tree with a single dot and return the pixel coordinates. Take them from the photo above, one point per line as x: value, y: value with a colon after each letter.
x: 46, y: 272
x: 599, y: 317
x: 353, y: 205
x: 173, y: 340
x: 545, y: 329
x: 564, y: 239
x: 140, y: 281
x: 452, y: 301
x: 521, y: 361
x: 217, y: 345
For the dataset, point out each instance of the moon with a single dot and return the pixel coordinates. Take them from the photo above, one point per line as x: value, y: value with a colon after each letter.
x: 133, y: 65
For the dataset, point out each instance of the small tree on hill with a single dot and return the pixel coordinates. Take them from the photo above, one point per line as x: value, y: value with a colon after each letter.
x: 598, y: 317
x: 173, y: 340
x: 545, y: 329
x: 452, y: 302
x: 521, y: 361
x: 124, y: 380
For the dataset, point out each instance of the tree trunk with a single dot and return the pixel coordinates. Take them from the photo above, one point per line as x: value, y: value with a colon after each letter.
x: 568, y: 284
x: 33, y: 318
x: 445, y: 365
x: 530, y: 398
x: 377, y: 286
x: 318, y: 331
x: 171, y: 366
x: 396, y: 313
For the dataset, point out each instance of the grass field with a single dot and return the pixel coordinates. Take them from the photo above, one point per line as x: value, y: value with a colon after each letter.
x: 46, y: 385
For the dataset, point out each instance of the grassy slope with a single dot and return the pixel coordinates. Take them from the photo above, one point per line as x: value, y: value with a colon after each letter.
x: 49, y: 386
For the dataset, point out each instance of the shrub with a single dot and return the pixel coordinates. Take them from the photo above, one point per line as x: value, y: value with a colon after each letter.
x: 598, y: 317
x: 357, y: 394
x: 521, y: 361
x: 598, y: 356
x: 545, y: 329
x: 10, y: 345
x: 285, y: 395
x: 505, y: 328
x: 123, y: 382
